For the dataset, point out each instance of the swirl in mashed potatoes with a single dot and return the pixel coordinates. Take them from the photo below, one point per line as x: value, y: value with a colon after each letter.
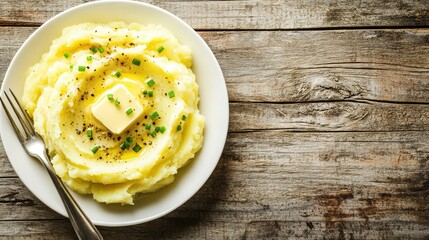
x: 79, y: 70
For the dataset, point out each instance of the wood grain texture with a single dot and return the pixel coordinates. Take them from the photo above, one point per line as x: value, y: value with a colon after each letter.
x: 268, y: 183
x: 260, y: 14
x: 283, y: 66
x: 291, y: 66
x: 5, y: 167
x: 171, y: 228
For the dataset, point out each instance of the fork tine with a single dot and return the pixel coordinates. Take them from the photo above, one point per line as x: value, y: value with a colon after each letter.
x: 18, y: 132
x: 29, y: 122
x: 24, y: 124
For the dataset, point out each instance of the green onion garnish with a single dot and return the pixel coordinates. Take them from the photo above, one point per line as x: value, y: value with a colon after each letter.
x: 153, y: 134
x: 162, y: 129
x: 89, y: 133
x: 145, y: 92
x: 147, y: 126
x: 110, y: 96
x: 171, y: 94
x: 94, y: 149
x: 66, y: 55
x: 137, y: 148
x: 154, y: 115
x: 157, y: 128
x: 93, y: 49
x: 179, y: 128
x: 150, y: 93
x: 125, y: 145
x: 101, y: 49
x: 89, y: 58
x: 136, y: 62
x: 81, y: 68
x: 183, y: 117
x: 150, y: 82
x: 160, y: 49
x: 117, y: 102
x: 117, y: 74
x: 129, y: 111
x: 71, y: 67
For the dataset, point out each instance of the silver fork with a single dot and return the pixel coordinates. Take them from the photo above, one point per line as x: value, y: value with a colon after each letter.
x: 35, y: 147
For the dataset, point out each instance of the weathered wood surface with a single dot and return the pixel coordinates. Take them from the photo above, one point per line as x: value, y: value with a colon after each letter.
x: 257, y: 14
x: 285, y: 184
x: 302, y: 66
x: 329, y: 133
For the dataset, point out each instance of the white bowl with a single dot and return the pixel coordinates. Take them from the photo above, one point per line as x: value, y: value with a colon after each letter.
x: 213, y: 105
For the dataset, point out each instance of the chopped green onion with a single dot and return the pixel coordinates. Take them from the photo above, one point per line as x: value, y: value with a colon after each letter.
x: 110, y: 96
x: 153, y: 134
x: 117, y: 102
x: 162, y: 129
x: 147, y: 126
x: 157, y: 128
x: 129, y: 111
x: 137, y: 148
x: 183, y: 117
x: 94, y: 149
x: 81, y: 68
x: 66, y: 55
x: 71, y: 67
x: 150, y: 82
x: 150, y: 93
x: 125, y: 145
x: 93, y: 49
x: 145, y: 92
x: 89, y: 133
x: 171, y: 94
x: 179, y: 128
x: 89, y: 58
x: 117, y: 74
x: 160, y: 49
x: 136, y: 62
x: 101, y: 49
x: 154, y: 115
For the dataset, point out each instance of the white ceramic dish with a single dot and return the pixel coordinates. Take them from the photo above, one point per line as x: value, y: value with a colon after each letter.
x: 213, y: 105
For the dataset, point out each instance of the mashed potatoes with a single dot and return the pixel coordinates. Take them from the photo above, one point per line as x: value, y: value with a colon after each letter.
x: 78, y: 71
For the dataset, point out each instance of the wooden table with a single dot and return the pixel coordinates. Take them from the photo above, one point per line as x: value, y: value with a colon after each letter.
x: 328, y: 136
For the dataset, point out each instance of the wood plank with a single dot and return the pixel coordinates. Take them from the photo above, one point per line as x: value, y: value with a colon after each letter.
x: 281, y: 176
x: 6, y: 169
x: 272, y: 14
x: 282, y: 66
x: 314, y: 117
x: 17, y: 202
x: 172, y: 228
x: 329, y: 116
x: 279, y: 66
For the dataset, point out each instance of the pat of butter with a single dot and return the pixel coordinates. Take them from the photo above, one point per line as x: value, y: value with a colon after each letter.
x: 117, y: 117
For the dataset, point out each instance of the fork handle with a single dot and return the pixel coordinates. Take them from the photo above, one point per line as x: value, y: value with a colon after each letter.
x: 83, y: 227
